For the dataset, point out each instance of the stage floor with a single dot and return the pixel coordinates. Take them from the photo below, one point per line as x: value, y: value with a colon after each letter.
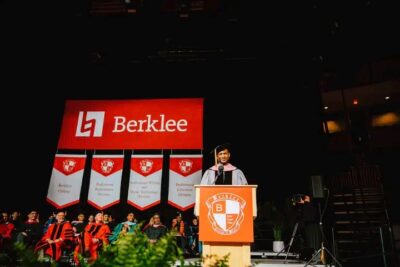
x: 267, y: 263
x: 281, y: 263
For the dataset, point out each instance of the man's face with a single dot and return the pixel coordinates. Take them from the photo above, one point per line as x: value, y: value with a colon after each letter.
x: 5, y: 216
x: 156, y: 219
x: 130, y: 217
x: 15, y: 215
x: 60, y: 217
x: 32, y: 215
x: 99, y: 218
x: 223, y: 156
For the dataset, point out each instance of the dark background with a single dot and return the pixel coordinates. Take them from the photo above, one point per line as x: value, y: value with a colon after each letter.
x: 261, y: 92
x: 275, y: 138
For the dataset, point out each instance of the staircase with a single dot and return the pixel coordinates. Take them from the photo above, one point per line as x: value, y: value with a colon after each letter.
x: 359, y: 212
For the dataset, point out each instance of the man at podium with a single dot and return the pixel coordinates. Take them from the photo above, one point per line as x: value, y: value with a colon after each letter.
x: 223, y: 172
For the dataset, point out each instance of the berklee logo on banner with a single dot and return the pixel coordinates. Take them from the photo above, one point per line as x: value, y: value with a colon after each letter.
x: 132, y: 124
x: 91, y: 124
x: 149, y: 124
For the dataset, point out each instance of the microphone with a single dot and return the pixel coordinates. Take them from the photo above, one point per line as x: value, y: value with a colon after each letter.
x: 220, y: 169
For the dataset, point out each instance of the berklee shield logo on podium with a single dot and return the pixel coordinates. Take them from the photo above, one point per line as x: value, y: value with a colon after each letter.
x: 226, y: 214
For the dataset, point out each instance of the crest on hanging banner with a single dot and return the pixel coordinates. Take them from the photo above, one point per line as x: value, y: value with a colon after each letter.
x: 69, y: 165
x: 185, y: 165
x: 107, y: 165
x: 146, y: 165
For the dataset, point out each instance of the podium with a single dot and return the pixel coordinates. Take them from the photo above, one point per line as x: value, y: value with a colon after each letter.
x: 226, y: 214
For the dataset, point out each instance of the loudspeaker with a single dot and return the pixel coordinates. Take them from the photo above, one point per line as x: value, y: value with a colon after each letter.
x: 317, y: 186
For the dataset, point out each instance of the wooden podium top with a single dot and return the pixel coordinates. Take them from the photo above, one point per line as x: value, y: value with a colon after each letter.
x: 198, y: 186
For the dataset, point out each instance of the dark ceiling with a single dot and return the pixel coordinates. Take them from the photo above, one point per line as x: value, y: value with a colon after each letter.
x: 325, y: 34
x: 241, y: 59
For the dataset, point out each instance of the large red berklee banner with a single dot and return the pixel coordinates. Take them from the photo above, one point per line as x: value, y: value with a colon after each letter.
x: 133, y: 124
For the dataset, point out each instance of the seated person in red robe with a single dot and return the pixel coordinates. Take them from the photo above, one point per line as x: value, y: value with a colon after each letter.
x: 6, y: 231
x: 94, y: 237
x: 58, y: 237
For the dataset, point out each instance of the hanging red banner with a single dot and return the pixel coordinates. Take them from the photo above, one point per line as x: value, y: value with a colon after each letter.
x: 145, y: 181
x: 133, y: 124
x: 66, y: 180
x: 184, y: 173
x: 105, y: 181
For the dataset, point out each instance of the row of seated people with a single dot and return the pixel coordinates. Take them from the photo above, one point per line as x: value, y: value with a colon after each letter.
x: 86, y: 239
x: 62, y: 235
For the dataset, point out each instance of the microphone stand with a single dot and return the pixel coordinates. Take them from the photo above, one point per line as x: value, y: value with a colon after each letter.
x: 323, y: 250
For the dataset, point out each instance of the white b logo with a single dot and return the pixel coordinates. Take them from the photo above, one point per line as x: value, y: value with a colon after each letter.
x: 90, y: 123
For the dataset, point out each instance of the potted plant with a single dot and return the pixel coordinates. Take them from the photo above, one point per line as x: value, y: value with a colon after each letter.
x: 274, y: 219
x: 277, y: 245
x: 277, y: 221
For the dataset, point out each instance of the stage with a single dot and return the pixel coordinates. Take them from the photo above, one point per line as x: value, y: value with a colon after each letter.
x: 268, y: 259
x: 264, y: 263
x: 281, y: 263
